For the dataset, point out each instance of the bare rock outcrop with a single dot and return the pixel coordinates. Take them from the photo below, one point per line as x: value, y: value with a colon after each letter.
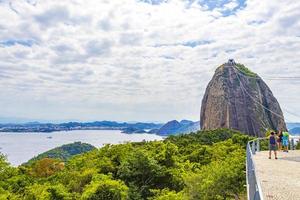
x: 239, y: 99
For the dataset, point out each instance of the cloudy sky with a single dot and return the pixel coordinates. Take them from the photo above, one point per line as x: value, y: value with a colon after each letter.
x: 139, y: 60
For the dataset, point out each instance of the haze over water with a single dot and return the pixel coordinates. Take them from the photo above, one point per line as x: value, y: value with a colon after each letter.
x: 20, y: 147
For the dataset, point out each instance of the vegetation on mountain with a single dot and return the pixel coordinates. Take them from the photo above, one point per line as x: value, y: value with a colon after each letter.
x: 242, y: 68
x: 65, y: 152
x: 202, y: 165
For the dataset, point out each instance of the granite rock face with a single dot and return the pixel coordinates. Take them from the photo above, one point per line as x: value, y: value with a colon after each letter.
x: 239, y: 99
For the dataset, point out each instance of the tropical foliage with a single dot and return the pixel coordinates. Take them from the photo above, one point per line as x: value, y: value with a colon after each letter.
x: 65, y: 152
x: 245, y: 70
x: 202, y: 165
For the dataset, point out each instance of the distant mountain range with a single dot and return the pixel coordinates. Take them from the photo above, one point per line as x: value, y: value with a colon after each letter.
x: 294, y: 128
x: 97, y: 125
x: 295, y: 131
x: 175, y: 127
x: 292, y: 125
x: 171, y: 127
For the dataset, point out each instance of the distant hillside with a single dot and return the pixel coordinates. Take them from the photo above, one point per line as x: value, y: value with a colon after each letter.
x: 175, y: 127
x: 292, y: 125
x: 169, y: 128
x: 295, y: 131
x: 187, y: 128
x: 97, y: 125
x: 133, y: 130
x: 65, y: 152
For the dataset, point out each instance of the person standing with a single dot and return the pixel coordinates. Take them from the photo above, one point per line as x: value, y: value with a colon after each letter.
x: 272, y: 145
x: 279, y: 140
x: 285, y: 141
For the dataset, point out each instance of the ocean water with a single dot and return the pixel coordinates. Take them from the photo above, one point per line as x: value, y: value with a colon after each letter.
x: 20, y: 147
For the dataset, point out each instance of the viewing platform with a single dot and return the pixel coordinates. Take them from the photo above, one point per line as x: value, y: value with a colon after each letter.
x: 272, y: 179
x: 279, y: 179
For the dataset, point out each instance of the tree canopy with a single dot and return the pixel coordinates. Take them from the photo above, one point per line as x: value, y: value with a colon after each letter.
x: 202, y: 165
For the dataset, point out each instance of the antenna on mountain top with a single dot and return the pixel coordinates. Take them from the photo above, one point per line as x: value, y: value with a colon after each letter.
x: 231, y: 61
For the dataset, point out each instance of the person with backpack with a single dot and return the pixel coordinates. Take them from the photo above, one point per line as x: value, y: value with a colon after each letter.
x: 272, y: 145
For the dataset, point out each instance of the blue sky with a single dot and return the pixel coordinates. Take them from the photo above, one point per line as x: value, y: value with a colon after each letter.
x: 226, y: 7
x: 12, y: 42
x: 139, y: 60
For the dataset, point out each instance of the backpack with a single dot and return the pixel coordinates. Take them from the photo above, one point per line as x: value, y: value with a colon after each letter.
x: 272, y: 140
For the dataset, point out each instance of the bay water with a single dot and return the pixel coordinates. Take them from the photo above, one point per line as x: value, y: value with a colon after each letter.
x: 20, y: 147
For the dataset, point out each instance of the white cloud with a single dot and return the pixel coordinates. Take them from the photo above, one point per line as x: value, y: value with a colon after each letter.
x: 134, y: 60
x: 231, y: 5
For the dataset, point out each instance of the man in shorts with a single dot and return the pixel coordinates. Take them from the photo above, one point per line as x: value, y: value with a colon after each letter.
x: 272, y: 145
x: 285, y: 141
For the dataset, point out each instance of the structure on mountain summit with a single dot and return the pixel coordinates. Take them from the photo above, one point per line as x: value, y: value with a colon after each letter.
x: 239, y: 99
x: 231, y: 62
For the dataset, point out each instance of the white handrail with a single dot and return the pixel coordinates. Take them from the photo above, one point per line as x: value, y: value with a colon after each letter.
x: 254, y: 190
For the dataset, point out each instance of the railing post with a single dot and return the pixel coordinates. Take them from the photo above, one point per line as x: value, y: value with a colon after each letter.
x: 292, y: 144
x: 248, y: 169
x: 257, y: 146
x: 253, y: 147
x: 256, y: 195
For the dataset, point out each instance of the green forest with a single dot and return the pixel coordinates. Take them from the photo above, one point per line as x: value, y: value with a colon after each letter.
x: 64, y: 152
x: 202, y: 165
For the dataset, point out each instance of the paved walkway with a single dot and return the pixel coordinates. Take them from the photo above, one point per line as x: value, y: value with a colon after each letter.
x: 279, y: 179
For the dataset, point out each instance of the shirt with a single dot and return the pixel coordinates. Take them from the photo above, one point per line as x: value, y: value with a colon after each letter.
x: 285, y: 136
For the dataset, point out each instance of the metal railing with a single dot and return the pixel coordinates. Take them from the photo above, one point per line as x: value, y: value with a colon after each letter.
x: 293, y: 142
x: 254, y: 190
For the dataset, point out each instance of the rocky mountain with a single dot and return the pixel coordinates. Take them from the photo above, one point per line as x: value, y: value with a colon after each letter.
x: 175, y: 127
x: 239, y: 99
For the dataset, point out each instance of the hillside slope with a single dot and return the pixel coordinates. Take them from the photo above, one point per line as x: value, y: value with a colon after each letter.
x: 65, y: 152
x: 202, y: 165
